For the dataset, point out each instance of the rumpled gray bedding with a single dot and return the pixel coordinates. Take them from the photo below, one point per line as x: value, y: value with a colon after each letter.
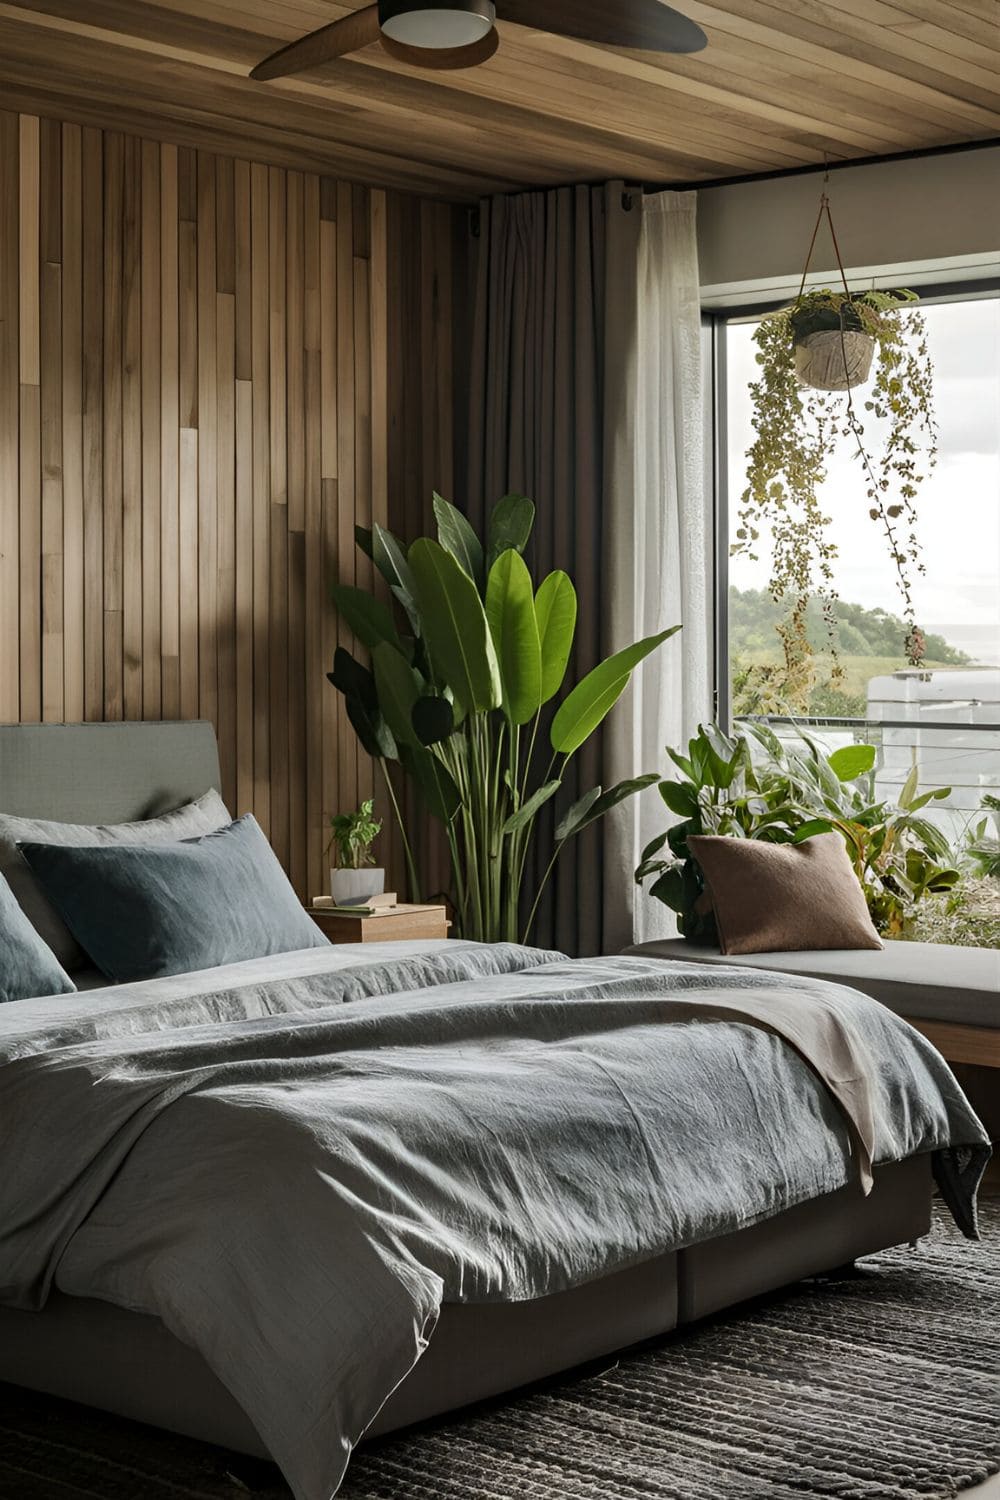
x: 295, y: 1186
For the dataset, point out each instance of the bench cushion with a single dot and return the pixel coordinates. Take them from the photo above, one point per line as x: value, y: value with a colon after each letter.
x: 926, y: 981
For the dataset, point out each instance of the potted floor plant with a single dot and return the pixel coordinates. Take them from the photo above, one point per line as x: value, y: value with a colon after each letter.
x: 462, y: 692
x: 355, y: 878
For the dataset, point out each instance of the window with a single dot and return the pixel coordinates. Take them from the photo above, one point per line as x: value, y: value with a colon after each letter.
x: 943, y: 719
x: 957, y: 599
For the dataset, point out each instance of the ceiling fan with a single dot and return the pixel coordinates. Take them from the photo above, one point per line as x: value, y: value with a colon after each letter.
x: 462, y: 33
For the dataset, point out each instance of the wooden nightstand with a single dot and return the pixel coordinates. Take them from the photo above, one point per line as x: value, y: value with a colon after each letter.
x: 399, y: 923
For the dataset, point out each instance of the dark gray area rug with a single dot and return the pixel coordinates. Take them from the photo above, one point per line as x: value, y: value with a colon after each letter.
x: 881, y: 1386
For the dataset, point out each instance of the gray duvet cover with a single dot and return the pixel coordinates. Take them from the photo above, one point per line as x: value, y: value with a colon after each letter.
x: 295, y: 1185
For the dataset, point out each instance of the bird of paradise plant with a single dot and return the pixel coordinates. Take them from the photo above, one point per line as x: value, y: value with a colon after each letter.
x: 457, y: 696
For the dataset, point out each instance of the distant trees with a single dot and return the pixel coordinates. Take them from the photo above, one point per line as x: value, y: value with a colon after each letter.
x: 760, y: 683
x: 754, y: 617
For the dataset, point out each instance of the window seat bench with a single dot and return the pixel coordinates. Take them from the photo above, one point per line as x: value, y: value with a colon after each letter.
x: 952, y: 995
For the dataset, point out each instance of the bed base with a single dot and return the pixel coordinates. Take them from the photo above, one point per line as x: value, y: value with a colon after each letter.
x: 126, y: 1363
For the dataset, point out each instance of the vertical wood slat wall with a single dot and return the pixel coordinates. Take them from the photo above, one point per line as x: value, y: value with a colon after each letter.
x: 210, y: 371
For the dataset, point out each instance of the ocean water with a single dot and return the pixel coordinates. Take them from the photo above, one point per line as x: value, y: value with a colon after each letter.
x: 980, y: 642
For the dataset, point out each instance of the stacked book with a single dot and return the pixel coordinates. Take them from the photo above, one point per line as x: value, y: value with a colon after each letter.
x: 376, y: 906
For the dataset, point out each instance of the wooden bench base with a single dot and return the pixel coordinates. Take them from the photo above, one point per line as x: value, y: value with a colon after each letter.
x: 962, y: 1044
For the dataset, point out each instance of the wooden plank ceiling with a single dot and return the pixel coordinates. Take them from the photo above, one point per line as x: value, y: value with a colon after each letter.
x: 782, y: 84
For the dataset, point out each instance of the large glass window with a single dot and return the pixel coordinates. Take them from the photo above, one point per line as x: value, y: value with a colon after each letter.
x: 940, y: 722
x: 957, y: 598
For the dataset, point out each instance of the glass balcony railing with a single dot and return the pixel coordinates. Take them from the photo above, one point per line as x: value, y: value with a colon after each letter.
x: 962, y: 757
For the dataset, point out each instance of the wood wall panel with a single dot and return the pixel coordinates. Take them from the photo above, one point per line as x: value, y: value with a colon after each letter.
x: 211, y: 371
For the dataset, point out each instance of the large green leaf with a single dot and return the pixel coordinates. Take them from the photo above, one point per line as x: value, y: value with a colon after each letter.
x: 672, y: 889
x: 931, y: 836
x: 555, y: 611
x: 368, y: 617
x: 438, y: 789
x: 389, y: 556
x: 456, y: 632
x: 510, y: 525
x: 525, y: 813
x: 510, y: 610
x: 936, y: 794
x: 576, y: 814
x: 725, y: 755
x: 766, y: 738
x: 677, y: 837
x: 702, y: 760
x: 399, y: 687
x: 909, y: 790
x: 592, y: 699
x: 682, y: 763
x: 433, y: 719
x: 653, y: 847
x: 681, y: 799
x: 851, y: 761
x: 352, y: 679
x: 604, y: 802
x: 457, y: 536
x: 810, y: 830
x: 372, y: 731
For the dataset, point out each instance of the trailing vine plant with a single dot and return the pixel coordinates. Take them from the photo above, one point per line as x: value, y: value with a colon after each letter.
x: 797, y: 429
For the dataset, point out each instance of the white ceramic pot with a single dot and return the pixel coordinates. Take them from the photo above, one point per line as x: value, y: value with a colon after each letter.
x: 355, y: 887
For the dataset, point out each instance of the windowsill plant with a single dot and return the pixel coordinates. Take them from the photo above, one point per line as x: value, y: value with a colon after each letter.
x: 751, y: 785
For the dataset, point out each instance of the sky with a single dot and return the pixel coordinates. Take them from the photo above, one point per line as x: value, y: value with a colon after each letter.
x: 958, y: 507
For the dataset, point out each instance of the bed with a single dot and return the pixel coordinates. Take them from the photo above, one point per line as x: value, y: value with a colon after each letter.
x: 479, y: 1319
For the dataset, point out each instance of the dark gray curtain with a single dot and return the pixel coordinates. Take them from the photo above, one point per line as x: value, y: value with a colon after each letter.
x: 553, y: 277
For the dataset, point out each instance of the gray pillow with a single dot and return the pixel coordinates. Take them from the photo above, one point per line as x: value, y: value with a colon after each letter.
x: 141, y: 912
x: 27, y: 968
x: 203, y: 816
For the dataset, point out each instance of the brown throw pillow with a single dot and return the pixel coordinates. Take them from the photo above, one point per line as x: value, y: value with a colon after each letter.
x: 784, y: 898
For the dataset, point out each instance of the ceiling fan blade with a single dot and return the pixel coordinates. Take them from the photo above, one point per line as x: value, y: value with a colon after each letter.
x: 643, y: 24
x: 349, y: 34
x: 444, y: 58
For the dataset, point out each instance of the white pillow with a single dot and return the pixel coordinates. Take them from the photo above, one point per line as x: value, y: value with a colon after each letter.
x: 204, y: 816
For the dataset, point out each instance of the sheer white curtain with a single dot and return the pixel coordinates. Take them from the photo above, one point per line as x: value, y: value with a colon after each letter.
x: 659, y: 540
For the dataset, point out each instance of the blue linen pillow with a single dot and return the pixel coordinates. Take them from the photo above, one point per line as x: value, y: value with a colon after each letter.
x: 145, y: 911
x: 28, y: 968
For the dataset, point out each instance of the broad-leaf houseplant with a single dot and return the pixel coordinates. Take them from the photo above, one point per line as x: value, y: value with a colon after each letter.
x: 464, y: 688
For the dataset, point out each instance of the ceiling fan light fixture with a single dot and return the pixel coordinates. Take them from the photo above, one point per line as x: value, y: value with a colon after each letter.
x: 446, y: 24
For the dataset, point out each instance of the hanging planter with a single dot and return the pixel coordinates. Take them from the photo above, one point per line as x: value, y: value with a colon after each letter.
x: 833, y: 333
x: 834, y: 349
x: 812, y: 355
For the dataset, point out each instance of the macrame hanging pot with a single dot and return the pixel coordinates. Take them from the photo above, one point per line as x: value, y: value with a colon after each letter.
x: 832, y: 350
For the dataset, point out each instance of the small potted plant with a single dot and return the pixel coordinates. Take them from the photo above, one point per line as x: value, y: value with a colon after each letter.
x: 355, y: 878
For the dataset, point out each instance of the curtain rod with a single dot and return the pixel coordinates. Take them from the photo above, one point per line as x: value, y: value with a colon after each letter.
x: 839, y: 165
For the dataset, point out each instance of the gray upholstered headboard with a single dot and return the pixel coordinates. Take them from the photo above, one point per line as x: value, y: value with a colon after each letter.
x: 104, y: 773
